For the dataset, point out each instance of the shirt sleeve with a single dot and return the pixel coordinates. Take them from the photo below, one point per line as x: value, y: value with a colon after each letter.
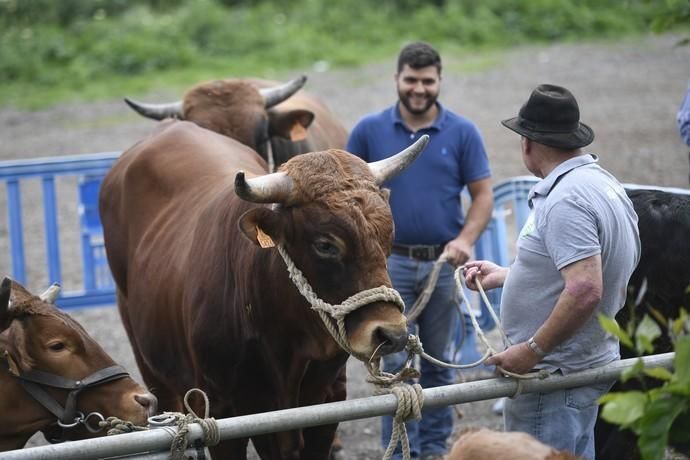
x: 357, y: 142
x: 683, y: 119
x: 475, y: 162
x: 570, y: 232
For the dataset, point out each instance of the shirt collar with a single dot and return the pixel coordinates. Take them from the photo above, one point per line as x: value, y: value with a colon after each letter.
x: 437, y: 125
x: 544, y: 186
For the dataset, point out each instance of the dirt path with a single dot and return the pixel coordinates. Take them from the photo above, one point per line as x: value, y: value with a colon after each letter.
x: 628, y: 92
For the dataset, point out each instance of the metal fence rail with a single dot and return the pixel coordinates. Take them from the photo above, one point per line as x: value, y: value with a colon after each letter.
x: 269, y: 422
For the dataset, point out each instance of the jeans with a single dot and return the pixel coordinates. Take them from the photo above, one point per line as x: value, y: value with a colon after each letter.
x: 563, y: 419
x: 435, y: 327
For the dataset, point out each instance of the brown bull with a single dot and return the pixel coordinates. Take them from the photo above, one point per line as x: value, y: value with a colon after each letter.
x: 209, y: 303
x: 54, y: 377
x: 254, y: 112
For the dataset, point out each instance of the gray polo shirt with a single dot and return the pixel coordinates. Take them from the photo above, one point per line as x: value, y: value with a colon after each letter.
x: 578, y: 210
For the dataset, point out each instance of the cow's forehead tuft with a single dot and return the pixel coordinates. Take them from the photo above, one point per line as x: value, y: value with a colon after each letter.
x: 329, y: 171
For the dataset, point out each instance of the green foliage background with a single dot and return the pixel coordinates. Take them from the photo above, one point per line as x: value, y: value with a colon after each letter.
x: 52, y: 50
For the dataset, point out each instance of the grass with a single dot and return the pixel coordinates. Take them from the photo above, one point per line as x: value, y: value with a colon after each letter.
x: 94, y: 53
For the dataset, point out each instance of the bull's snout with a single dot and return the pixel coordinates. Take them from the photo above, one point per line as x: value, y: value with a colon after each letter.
x: 391, y: 340
x: 375, y: 330
x: 148, y: 401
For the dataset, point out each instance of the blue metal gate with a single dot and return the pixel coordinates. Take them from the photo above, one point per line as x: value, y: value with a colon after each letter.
x: 95, y: 285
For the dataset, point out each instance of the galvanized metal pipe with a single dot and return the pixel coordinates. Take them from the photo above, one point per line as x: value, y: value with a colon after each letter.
x: 268, y: 422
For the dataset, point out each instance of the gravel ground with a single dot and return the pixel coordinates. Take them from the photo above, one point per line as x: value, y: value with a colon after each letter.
x: 628, y: 92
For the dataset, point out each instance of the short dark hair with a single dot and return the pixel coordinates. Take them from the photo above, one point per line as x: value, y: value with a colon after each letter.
x: 418, y: 55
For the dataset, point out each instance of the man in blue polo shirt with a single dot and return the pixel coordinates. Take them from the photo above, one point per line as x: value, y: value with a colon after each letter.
x: 429, y: 220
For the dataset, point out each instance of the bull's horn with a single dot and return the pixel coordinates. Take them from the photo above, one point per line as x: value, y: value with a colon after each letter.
x: 392, y: 166
x: 270, y: 188
x: 277, y: 94
x: 157, y: 111
x: 51, y: 293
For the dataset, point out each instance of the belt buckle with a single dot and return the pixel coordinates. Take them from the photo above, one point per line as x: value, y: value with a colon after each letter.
x: 423, y: 252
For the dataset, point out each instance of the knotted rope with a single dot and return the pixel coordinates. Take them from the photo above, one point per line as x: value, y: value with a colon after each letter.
x: 410, y: 402
x: 209, y: 427
x: 114, y: 425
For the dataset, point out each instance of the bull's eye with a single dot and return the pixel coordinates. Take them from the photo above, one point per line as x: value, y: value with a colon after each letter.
x: 56, y: 346
x: 325, y: 248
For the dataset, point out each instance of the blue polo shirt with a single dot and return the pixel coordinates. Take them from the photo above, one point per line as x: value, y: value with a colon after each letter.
x: 425, y: 198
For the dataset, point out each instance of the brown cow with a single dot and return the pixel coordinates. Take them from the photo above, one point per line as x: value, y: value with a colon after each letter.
x: 204, y: 307
x: 46, y: 357
x: 254, y: 111
x: 484, y: 444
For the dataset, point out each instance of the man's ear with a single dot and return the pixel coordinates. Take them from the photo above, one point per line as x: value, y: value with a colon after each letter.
x: 262, y: 227
x: 290, y: 124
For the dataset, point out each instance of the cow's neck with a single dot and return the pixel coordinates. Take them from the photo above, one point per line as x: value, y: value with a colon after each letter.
x: 22, y: 416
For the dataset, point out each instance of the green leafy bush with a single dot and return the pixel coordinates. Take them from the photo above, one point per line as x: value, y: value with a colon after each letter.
x: 69, y: 46
x: 661, y: 415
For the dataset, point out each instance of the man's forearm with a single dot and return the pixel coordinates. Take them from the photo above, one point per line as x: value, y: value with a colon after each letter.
x: 478, y: 216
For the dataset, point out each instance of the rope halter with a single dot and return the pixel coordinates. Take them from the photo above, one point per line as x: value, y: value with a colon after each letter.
x: 331, y: 314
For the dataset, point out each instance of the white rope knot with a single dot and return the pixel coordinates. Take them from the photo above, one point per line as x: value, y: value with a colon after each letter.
x: 414, y: 345
x: 209, y: 427
x: 410, y: 402
x: 336, y: 313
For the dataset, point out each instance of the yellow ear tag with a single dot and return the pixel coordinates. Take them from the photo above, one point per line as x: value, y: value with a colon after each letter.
x: 298, y: 133
x: 264, y: 240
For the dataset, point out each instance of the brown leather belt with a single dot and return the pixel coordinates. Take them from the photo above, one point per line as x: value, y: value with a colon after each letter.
x: 419, y: 252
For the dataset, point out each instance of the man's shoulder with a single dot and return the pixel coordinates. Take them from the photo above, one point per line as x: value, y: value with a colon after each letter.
x: 454, y: 120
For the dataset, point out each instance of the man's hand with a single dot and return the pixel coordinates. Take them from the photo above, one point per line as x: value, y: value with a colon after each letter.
x: 458, y: 252
x: 488, y: 273
x: 519, y: 359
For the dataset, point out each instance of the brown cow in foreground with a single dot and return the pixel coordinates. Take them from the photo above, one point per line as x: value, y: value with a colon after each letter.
x: 276, y: 120
x: 42, y: 351
x: 205, y: 296
x: 484, y: 444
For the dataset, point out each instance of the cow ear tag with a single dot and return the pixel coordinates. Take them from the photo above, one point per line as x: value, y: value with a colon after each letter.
x: 298, y: 132
x: 265, y: 241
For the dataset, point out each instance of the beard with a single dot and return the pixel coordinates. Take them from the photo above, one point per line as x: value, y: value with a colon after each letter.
x: 417, y: 106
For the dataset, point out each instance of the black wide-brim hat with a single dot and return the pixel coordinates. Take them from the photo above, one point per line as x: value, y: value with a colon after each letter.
x: 551, y: 117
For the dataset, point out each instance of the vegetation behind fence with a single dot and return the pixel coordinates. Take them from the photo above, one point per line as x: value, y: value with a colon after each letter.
x: 52, y: 50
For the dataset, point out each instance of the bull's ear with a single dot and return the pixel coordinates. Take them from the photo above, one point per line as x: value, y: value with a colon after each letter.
x: 290, y: 124
x: 262, y: 227
x: 19, y: 293
x: 5, y: 290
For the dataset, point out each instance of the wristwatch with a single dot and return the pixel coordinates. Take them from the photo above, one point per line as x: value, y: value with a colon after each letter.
x: 535, y: 348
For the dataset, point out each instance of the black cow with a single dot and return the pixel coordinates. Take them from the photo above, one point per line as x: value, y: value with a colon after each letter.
x: 664, y: 275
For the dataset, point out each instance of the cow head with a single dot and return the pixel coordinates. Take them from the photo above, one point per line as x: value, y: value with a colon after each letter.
x: 333, y: 219
x: 237, y: 108
x: 45, y: 353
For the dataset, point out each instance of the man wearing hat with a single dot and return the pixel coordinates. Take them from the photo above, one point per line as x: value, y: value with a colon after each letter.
x: 575, y: 256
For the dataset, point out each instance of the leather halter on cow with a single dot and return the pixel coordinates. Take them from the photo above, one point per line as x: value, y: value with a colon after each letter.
x: 208, y: 303
x: 46, y: 358
x: 255, y: 111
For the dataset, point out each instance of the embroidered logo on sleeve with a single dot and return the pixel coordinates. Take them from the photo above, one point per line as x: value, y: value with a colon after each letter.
x: 529, y: 226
